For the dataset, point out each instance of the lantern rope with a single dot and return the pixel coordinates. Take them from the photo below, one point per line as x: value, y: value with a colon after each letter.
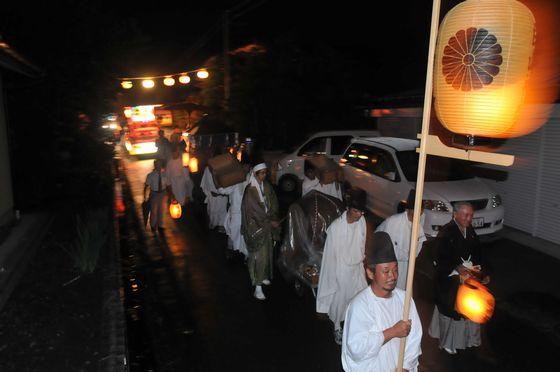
x: 162, y: 76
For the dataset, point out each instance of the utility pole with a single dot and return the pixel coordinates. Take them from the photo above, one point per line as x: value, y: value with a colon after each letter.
x: 226, y: 63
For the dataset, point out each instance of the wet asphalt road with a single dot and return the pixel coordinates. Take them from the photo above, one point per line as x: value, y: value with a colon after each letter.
x: 189, y: 285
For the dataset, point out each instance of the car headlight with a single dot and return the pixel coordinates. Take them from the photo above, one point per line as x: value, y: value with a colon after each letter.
x: 435, y: 205
x: 495, y: 201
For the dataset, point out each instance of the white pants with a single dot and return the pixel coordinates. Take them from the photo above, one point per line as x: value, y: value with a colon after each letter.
x: 156, y: 209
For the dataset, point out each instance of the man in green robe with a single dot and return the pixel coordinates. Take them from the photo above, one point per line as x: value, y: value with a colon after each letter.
x: 260, y: 228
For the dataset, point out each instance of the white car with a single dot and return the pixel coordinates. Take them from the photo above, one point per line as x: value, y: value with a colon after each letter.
x: 386, y: 168
x: 332, y: 143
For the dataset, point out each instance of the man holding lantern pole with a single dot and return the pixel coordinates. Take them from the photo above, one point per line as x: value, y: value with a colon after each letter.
x: 373, y: 326
x: 458, y: 259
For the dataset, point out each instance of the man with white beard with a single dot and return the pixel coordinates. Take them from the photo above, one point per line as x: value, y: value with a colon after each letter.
x: 342, y: 273
x: 399, y: 228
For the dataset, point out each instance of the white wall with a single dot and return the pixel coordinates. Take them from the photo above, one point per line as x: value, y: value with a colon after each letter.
x: 531, y: 192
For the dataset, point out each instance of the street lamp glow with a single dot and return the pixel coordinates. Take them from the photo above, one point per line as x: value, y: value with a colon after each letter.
x: 126, y: 84
x: 184, y: 79
x: 148, y: 83
x: 169, y: 81
x: 202, y: 74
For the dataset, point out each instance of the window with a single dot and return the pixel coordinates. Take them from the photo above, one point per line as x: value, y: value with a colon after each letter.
x: 438, y: 169
x: 339, y: 144
x: 372, y: 160
x: 315, y: 146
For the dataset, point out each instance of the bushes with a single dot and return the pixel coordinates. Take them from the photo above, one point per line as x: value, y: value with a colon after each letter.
x: 92, y: 232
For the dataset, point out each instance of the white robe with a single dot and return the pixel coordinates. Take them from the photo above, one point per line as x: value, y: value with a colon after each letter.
x: 232, y: 222
x: 216, y: 206
x: 362, y: 340
x: 333, y: 189
x: 180, y: 180
x: 342, y: 273
x: 399, y: 229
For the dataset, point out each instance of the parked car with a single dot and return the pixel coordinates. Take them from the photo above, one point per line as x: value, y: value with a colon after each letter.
x: 332, y: 143
x: 386, y: 168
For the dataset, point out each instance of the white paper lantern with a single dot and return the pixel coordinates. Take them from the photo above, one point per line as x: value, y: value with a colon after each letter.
x: 482, y: 62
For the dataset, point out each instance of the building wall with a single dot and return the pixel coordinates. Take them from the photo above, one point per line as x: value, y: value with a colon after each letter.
x: 531, y: 189
x: 6, y: 195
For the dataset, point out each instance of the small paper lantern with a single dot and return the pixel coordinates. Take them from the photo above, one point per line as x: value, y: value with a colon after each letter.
x: 184, y: 79
x: 193, y: 165
x: 202, y: 74
x: 475, y: 301
x: 169, y: 81
x: 482, y: 63
x: 148, y: 83
x: 175, y: 210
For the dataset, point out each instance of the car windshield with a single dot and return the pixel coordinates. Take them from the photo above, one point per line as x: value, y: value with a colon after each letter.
x: 437, y: 169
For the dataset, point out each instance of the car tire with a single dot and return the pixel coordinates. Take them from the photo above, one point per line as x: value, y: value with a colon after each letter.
x: 288, y: 184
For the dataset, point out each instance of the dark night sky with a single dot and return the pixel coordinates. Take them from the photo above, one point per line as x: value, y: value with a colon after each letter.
x: 391, y: 38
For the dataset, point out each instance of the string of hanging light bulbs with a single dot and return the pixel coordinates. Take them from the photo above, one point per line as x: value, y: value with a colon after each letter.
x: 148, y: 82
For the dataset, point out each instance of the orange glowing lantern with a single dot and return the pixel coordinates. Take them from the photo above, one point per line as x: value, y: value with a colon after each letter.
x: 193, y: 165
x: 126, y: 84
x: 184, y: 79
x: 169, y: 81
x: 475, y: 301
x: 175, y: 210
x: 482, y: 63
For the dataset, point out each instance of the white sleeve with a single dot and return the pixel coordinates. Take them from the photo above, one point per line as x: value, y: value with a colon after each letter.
x: 327, y: 277
x: 361, y: 340
x: 226, y: 190
x: 413, y: 340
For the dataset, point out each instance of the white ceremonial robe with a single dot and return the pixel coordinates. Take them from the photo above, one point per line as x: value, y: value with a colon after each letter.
x: 342, y: 273
x: 216, y: 206
x: 180, y: 180
x: 333, y: 189
x: 399, y: 229
x: 232, y: 222
x: 308, y: 185
x: 362, y: 340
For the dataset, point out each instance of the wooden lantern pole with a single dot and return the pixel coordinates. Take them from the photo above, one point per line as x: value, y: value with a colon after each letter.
x: 421, y: 171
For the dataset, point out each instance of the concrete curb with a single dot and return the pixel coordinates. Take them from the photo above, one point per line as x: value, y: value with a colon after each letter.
x: 114, y: 323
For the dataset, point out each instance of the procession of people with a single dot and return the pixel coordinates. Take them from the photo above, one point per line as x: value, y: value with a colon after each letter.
x: 363, y: 274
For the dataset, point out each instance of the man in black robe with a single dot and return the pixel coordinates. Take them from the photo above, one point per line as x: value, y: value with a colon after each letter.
x: 458, y: 258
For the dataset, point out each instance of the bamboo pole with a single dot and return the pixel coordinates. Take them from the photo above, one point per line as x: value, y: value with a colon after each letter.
x: 421, y: 171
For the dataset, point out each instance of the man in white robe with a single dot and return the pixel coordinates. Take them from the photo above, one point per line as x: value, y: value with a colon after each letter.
x: 232, y: 221
x: 342, y: 273
x: 311, y: 182
x: 179, y: 177
x: 373, y: 325
x: 216, y: 203
x: 399, y: 228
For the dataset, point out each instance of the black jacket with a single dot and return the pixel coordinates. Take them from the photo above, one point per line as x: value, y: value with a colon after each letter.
x: 452, y: 249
